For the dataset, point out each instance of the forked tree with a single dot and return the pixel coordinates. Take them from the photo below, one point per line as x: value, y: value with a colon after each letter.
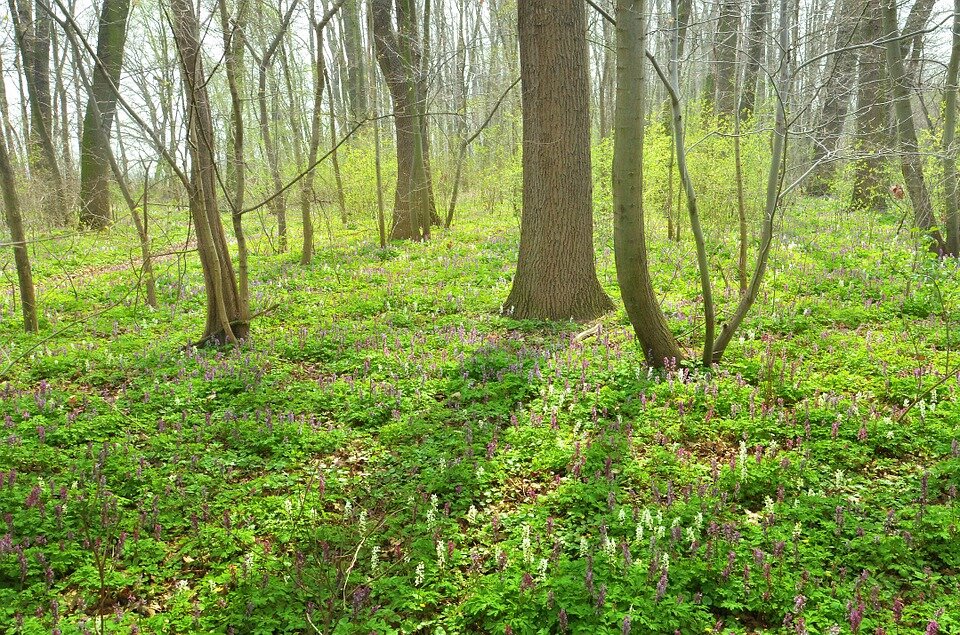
x: 227, y: 317
x: 556, y: 271
x: 660, y: 346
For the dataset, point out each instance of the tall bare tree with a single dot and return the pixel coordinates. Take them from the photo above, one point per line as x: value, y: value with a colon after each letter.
x: 32, y: 28
x: 227, y: 318
x: 911, y: 162
x: 95, y: 209
x: 869, y: 193
x: 18, y: 237
x: 398, y: 46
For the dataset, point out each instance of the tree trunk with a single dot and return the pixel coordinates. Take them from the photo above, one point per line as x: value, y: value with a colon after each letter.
x: 95, y: 209
x: 759, y: 18
x: 835, y: 104
x: 725, y: 56
x: 227, y: 319
x: 630, y: 248
x: 233, y: 61
x: 556, y: 274
x: 608, y: 71
x: 949, y: 139
x: 398, y: 53
x: 334, y: 158
x: 911, y: 162
x: 21, y: 256
x: 778, y: 160
x: 356, y: 61
x: 33, y: 42
x: 869, y: 193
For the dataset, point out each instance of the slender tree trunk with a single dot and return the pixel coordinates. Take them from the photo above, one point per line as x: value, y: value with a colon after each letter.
x: 774, y: 180
x: 950, y: 185
x: 741, y: 209
x: 63, y: 115
x: 911, y: 162
x: 233, y: 61
x: 277, y: 204
x: 608, y: 71
x: 9, y: 134
x: 556, y: 273
x: 356, y: 61
x: 630, y: 249
x: 673, y: 86
x: 33, y: 42
x: 21, y: 256
x: 95, y: 209
x: 226, y: 319
x: 375, y: 112
x: 313, y: 147
x: 334, y: 158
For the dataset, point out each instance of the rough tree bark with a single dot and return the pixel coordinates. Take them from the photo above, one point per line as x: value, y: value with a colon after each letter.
x: 556, y: 273
x: 869, y: 193
x: 836, y: 102
x: 756, y: 33
x: 725, y: 59
x: 399, y: 56
x: 95, y: 211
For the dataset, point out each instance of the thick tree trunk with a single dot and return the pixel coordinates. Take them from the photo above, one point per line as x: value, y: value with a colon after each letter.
x: 33, y: 42
x: 95, y: 209
x: 356, y: 61
x: 227, y: 319
x: 911, y: 162
x: 759, y: 18
x: 725, y: 59
x: 556, y: 273
x: 836, y: 103
x: 869, y: 193
x: 11, y: 205
x: 398, y: 53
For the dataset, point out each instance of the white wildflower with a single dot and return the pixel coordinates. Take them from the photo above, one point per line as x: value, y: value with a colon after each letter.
x: 418, y: 575
x: 584, y: 546
x: 362, y: 522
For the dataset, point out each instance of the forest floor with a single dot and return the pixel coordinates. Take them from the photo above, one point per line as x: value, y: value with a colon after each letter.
x: 389, y: 455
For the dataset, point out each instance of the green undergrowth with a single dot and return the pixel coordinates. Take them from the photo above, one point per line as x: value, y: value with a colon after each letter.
x: 389, y: 455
